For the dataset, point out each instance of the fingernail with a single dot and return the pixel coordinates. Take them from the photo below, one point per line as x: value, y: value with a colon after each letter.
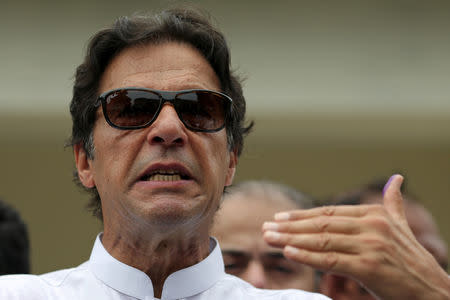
x: 272, y: 235
x: 291, y: 250
x: 386, y: 186
x: 282, y: 216
x: 270, y: 226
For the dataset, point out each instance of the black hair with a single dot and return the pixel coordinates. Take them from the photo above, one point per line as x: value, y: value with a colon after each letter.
x: 14, y: 243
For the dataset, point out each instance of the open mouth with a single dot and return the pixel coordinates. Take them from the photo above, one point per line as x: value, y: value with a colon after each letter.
x: 165, y: 175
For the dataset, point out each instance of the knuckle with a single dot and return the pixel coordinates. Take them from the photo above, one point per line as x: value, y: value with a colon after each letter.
x: 329, y: 210
x: 321, y: 224
x: 364, y: 209
x: 376, y: 244
x: 376, y: 209
x: 381, y: 224
x: 323, y: 242
x: 330, y: 260
x: 290, y: 227
x: 286, y: 238
x: 372, y: 262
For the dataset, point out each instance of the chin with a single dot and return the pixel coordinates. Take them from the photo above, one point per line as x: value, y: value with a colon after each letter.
x: 172, y: 215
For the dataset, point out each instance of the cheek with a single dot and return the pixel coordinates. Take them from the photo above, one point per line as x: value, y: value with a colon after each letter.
x: 213, y: 152
x: 113, y: 155
x: 303, y: 280
x: 222, y: 158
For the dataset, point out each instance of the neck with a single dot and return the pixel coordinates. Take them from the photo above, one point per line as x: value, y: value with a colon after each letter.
x: 157, y: 254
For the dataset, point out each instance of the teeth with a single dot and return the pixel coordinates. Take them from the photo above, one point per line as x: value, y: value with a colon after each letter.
x: 165, y: 172
x: 165, y: 177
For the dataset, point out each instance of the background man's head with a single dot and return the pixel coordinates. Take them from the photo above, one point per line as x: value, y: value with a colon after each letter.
x: 14, y: 243
x: 180, y: 25
x: 246, y: 206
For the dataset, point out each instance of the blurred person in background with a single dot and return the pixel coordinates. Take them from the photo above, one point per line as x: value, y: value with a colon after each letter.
x: 14, y: 243
x: 419, y: 220
x: 247, y: 205
x: 237, y: 226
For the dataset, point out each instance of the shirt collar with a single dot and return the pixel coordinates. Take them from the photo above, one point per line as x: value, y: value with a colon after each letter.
x: 133, y: 282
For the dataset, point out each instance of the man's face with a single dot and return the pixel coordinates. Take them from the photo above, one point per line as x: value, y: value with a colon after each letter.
x: 123, y: 157
x: 238, y: 228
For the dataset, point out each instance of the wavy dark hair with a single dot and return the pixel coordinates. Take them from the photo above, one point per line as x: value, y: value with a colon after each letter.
x: 174, y: 25
x: 14, y: 242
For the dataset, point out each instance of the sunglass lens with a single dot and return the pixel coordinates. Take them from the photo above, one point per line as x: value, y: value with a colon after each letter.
x: 202, y: 110
x: 132, y: 108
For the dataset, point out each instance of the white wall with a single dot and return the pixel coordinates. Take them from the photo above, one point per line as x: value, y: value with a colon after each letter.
x: 340, y: 57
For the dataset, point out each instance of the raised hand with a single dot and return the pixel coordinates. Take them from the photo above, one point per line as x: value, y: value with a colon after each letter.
x: 372, y: 244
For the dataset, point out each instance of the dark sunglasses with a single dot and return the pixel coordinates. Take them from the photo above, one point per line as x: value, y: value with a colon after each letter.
x: 134, y: 108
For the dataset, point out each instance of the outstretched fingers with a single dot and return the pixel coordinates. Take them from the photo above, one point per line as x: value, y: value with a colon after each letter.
x: 323, y: 242
x: 325, y: 261
x: 337, y: 224
x: 341, y: 210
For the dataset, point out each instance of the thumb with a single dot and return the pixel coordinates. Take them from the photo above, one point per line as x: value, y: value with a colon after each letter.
x: 392, y: 197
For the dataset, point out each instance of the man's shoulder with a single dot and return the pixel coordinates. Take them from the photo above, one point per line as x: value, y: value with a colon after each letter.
x: 57, y: 278
x: 24, y: 286
x: 21, y: 287
x: 18, y: 279
x: 243, y: 290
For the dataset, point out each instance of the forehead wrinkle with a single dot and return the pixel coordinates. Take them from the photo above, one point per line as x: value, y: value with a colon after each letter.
x: 148, y: 65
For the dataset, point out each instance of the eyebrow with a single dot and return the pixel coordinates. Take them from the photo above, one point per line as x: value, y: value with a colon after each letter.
x: 243, y: 254
x: 276, y: 255
x: 235, y: 253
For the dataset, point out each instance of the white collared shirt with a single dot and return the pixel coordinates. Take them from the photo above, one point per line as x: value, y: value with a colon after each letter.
x: 104, y: 277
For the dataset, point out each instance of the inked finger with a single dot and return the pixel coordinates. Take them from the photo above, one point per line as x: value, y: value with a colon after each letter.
x: 392, y: 197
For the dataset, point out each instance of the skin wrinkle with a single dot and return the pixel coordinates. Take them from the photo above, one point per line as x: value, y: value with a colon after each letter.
x: 186, y: 79
x: 180, y: 79
x: 422, y: 225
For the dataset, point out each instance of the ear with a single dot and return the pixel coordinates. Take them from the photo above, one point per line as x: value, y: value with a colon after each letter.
x: 83, y: 164
x: 231, y: 167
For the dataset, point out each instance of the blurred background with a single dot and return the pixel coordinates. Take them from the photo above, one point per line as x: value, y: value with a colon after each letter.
x: 341, y: 92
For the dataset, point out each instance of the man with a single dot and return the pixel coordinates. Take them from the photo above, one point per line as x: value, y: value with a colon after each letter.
x: 370, y: 243
x: 157, y: 131
x: 14, y: 243
x: 246, y: 206
x: 419, y: 220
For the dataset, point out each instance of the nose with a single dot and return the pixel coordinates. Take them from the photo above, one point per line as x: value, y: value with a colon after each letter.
x: 255, y: 275
x: 167, y: 129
